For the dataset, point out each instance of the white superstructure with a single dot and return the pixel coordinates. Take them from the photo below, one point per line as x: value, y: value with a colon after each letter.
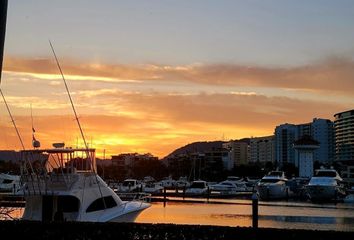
x: 62, y: 184
x: 273, y: 186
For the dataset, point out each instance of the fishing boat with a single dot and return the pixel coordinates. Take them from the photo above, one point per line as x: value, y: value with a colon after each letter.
x: 63, y: 184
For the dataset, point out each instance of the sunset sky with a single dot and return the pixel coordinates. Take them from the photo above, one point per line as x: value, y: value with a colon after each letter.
x: 151, y: 76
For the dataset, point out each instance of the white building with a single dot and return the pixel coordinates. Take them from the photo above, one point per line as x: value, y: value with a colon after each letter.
x: 305, y: 148
x: 319, y: 129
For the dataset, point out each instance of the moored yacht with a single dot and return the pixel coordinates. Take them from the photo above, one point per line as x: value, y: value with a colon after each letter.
x: 182, y: 182
x: 198, y: 187
x: 62, y: 184
x: 9, y: 182
x: 273, y: 186
x: 228, y: 187
x: 168, y: 182
x: 130, y: 185
x: 325, y: 185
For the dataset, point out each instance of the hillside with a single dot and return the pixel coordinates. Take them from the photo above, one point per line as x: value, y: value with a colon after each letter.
x: 196, y: 147
x: 201, y: 147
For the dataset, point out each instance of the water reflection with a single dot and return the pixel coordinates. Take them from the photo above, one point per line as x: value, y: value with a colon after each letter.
x: 238, y: 213
x: 334, y: 217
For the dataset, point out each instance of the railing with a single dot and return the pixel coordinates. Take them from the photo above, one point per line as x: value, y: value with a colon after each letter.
x: 135, y: 196
x: 36, y: 184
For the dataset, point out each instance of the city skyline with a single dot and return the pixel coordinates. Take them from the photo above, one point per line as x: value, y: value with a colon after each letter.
x: 150, y: 77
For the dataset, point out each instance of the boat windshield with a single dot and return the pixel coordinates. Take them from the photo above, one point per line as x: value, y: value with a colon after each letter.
x: 323, y: 181
x: 128, y: 183
x: 231, y: 178
x: 226, y: 183
x: 198, y: 185
x: 269, y: 180
x: 326, y: 174
x: 276, y: 173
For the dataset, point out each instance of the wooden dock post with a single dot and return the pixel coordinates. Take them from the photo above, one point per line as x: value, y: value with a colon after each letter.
x: 254, y: 210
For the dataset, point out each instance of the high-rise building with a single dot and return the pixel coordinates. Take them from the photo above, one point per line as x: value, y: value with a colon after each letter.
x: 262, y: 149
x: 322, y: 130
x: 344, y: 137
x: 319, y: 129
x: 283, y: 143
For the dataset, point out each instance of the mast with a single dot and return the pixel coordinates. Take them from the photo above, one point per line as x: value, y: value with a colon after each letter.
x: 3, y: 16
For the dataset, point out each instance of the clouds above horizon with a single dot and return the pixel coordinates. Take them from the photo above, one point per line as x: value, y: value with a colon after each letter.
x: 330, y: 76
x: 161, y: 122
x: 157, y: 108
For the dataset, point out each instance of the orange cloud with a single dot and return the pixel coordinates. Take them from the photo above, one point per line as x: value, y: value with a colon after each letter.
x: 331, y: 75
x: 160, y: 122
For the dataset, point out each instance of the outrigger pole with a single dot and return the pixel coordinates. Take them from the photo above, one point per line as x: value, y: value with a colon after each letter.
x: 77, y: 119
x: 13, y: 121
x: 71, y: 100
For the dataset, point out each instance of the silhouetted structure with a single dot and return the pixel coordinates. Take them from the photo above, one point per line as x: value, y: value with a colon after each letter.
x: 3, y: 15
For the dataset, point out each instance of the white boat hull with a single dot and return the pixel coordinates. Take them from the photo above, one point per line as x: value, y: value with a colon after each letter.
x: 266, y: 192
x: 320, y: 192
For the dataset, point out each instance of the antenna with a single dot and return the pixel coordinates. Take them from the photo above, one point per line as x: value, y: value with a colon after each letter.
x: 35, y: 142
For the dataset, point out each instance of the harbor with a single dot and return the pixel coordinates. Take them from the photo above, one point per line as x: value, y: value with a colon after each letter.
x: 238, y: 213
x: 176, y: 121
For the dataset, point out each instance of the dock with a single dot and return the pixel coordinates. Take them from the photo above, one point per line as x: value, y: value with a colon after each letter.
x: 11, y: 200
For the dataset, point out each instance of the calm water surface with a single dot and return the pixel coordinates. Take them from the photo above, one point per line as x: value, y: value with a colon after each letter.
x: 272, y: 214
x: 238, y: 213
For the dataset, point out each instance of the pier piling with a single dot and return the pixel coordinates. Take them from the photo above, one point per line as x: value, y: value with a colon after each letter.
x: 254, y: 210
x: 164, y: 196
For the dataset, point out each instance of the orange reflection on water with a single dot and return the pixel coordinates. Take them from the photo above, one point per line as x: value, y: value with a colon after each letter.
x: 204, y: 214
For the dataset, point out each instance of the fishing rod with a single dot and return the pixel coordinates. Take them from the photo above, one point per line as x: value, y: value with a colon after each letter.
x: 13, y: 120
x: 70, y: 98
x: 77, y: 119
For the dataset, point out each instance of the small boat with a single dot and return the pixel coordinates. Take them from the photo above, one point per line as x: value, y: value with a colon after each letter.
x: 182, y: 182
x: 152, y: 187
x: 325, y: 185
x: 168, y: 183
x: 130, y: 185
x: 62, y: 184
x: 9, y: 182
x: 234, y: 179
x: 273, y: 186
x: 198, y: 187
x: 228, y: 187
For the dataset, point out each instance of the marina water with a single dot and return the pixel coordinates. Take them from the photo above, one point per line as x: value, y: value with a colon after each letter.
x: 275, y: 214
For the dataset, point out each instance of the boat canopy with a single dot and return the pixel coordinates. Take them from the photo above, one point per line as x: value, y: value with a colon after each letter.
x: 59, y: 160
